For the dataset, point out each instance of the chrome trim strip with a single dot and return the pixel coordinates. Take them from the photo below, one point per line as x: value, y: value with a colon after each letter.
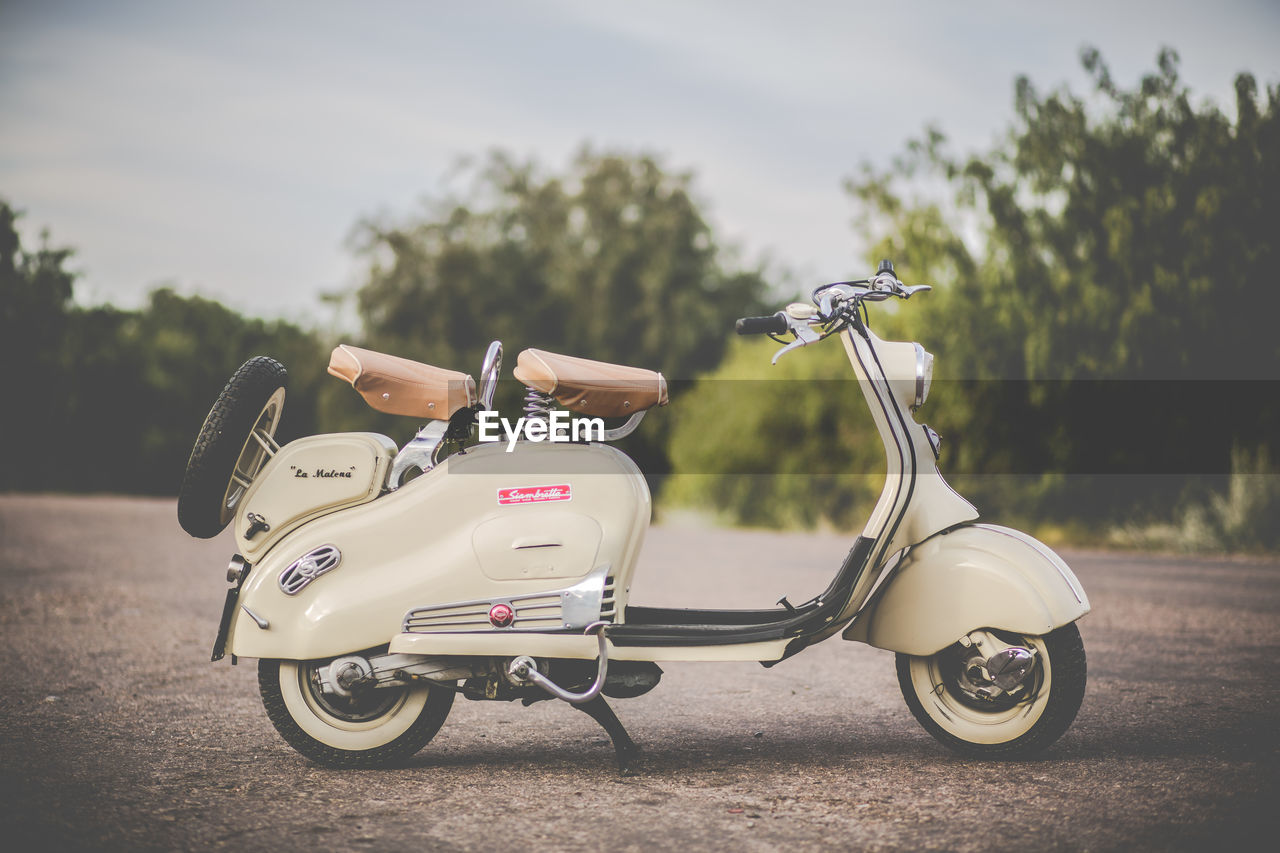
x: 258, y: 620
x: 1040, y: 549
x: 580, y: 604
x: 919, y: 376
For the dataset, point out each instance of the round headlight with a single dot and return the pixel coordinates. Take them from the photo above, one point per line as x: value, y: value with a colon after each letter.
x: 924, y: 375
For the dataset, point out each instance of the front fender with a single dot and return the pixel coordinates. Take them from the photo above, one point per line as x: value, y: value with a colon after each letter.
x: 975, y: 576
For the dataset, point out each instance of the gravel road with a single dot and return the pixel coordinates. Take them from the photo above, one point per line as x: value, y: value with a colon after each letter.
x: 117, y: 732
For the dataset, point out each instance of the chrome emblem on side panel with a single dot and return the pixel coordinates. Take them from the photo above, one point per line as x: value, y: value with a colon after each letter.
x: 308, y: 567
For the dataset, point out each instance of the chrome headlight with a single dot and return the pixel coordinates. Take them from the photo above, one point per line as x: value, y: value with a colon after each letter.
x: 924, y: 375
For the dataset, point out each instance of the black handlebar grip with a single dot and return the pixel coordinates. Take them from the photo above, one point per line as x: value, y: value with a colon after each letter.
x: 776, y: 324
x: 886, y: 266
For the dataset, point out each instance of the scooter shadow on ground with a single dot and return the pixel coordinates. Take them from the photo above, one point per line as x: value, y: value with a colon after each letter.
x: 798, y: 751
x: 1184, y: 731
x: 710, y: 756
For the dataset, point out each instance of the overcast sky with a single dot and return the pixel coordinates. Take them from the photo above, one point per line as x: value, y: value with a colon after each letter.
x: 228, y: 148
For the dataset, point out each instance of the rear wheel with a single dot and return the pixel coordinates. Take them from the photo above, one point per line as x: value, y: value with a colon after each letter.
x: 376, y: 727
x: 955, y: 705
x: 235, y: 442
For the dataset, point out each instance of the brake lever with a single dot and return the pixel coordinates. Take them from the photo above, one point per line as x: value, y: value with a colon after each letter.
x: 804, y: 337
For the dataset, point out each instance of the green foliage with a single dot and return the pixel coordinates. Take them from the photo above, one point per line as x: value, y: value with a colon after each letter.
x: 35, y: 290
x: 611, y: 260
x: 111, y: 400
x: 185, y: 349
x: 790, y: 445
x: 1126, y: 237
x: 1240, y: 518
x: 1122, y: 236
x: 1109, y: 244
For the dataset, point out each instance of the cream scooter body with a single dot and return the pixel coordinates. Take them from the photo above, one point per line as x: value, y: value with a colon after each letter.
x: 443, y: 537
x: 510, y: 569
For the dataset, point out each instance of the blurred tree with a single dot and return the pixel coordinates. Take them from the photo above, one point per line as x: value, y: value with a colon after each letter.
x: 790, y: 445
x: 107, y: 400
x: 611, y: 260
x: 1125, y: 236
x: 1129, y: 236
x: 35, y: 292
x: 138, y: 384
x: 1122, y: 236
x: 182, y: 351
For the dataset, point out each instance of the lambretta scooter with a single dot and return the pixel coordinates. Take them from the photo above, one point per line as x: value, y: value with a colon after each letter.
x: 374, y: 583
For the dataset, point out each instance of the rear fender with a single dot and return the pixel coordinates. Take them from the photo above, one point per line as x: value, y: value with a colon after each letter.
x: 975, y: 576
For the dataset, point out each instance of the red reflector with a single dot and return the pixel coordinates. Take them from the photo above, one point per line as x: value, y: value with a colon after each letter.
x: 501, y: 615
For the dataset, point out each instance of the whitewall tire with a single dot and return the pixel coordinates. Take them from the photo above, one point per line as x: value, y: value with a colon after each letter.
x: 945, y: 703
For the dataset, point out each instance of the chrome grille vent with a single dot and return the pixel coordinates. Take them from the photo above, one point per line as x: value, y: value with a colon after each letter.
x: 570, y: 609
x: 608, y: 611
x: 540, y: 612
x: 308, y: 567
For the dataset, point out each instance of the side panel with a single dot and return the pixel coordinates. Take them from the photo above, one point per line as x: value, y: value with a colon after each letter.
x: 977, y: 576
x: 310, y: 477
x: 417, y: 547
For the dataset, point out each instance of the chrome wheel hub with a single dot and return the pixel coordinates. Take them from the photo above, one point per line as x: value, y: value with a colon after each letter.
x: 352, y: 706
x: 988, y: 672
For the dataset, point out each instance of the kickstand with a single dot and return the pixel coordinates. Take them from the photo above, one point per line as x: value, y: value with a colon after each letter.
x: 626, y: 749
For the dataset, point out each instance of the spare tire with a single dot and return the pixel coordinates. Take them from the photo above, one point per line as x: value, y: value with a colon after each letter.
x: 237, y: 439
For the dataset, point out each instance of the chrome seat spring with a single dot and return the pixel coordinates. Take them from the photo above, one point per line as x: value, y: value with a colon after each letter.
x: 538, y: 405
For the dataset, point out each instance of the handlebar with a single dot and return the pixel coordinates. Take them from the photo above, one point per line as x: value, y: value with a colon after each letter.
x: 775, y: 324
x: 882, y: 286
x: 834, y: 307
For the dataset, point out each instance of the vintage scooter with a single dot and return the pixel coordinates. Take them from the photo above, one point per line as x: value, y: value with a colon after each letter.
x: 372, y: 596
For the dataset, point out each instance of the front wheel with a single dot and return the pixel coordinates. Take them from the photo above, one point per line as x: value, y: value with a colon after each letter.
x: 948, y: 697
x: 374, y: 728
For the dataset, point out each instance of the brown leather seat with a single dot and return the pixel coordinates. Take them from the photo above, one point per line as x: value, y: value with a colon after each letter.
x: 399, y: 386
x: 594, y: 388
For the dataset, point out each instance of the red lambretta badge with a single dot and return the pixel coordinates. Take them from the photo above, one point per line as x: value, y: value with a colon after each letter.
x: 534, y: 494
x: 501, y: 615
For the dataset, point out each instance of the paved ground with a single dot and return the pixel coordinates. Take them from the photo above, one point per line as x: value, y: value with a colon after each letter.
x: 116, y: 732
